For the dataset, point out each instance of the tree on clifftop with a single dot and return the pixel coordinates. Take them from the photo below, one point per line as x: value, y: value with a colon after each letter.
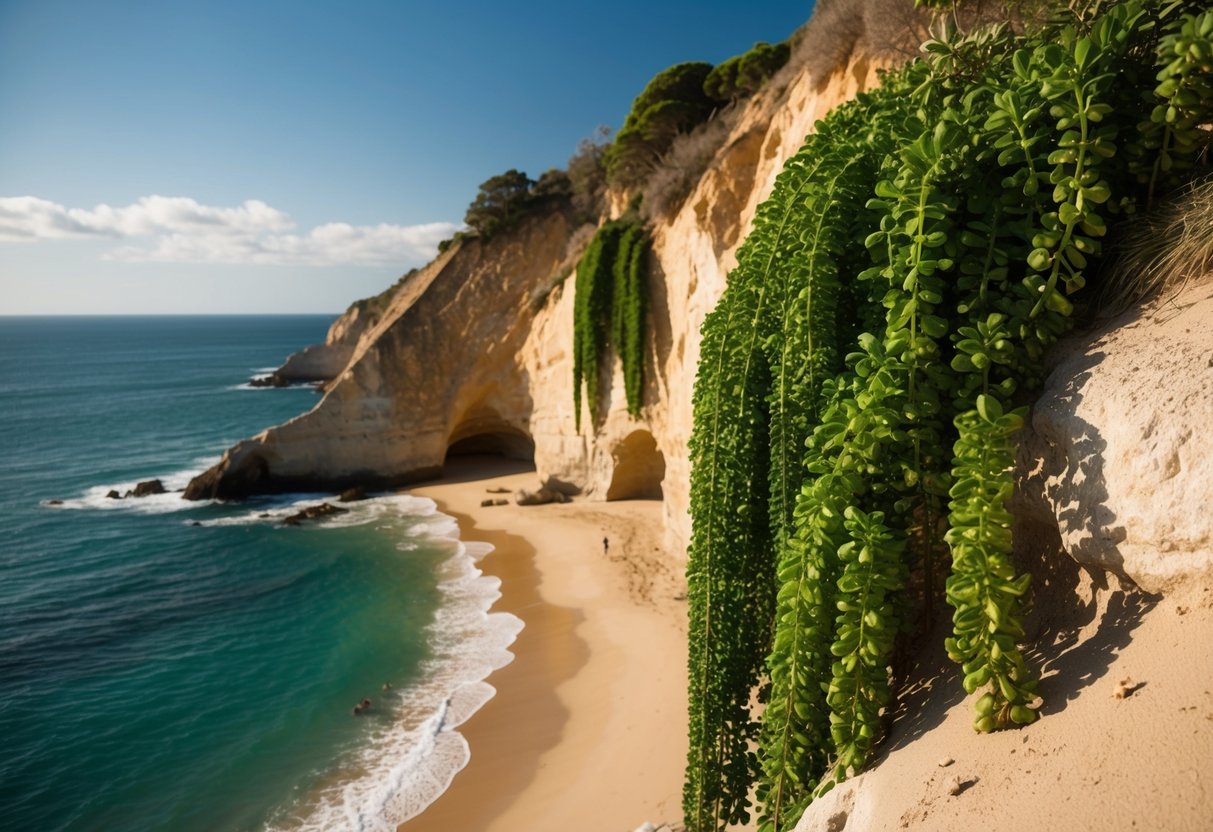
x: 673, y: 102
x: 501, y: 200
x: 743, y: 75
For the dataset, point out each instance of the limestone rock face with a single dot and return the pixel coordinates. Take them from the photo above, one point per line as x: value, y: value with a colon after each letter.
x: 1119, y: 455
x: 439, y: 367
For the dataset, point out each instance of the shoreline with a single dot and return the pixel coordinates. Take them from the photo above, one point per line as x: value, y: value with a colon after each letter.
x: 588, y: 727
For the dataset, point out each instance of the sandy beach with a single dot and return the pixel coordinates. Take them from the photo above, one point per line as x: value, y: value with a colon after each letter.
x: 588, y: 727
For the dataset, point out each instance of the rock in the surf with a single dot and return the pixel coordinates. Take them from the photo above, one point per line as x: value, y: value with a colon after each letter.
x: 146, y: 488
x: 318, y: 512
x: 352, y: 495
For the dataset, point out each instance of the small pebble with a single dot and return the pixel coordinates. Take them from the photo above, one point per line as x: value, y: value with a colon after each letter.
x: 956, y: 786
x: 945, y: 762
x: 1124, y: 688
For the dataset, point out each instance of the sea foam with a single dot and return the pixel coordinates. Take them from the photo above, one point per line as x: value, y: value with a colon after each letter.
x: 174, y: 482
x: 403, y: 768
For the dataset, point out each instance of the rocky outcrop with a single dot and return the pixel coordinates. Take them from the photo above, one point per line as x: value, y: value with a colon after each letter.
x: 324, y: 362
x: 316, y: 512
x: 142, y: 489
x: 272, y: 380
x: 319, y: 362
x: 1118, y: 458
x: 352, y: 495
x: 438, y: 370
x: 146, y: 488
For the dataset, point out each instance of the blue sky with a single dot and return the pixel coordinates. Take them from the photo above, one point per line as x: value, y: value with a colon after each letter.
x: 289, y: 156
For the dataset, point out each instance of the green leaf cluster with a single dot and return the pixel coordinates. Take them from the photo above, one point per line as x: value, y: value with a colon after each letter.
x: 610, y: 308
x: 854, y: 407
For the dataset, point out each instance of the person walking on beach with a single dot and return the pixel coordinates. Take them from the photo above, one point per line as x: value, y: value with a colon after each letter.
x: 606, y: 545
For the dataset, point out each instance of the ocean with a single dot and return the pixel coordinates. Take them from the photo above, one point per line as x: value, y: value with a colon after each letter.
x: 167, y: 665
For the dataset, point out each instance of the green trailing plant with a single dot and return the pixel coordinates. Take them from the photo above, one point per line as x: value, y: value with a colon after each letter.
x: 1184, y: 97
x: 857, y: 400
x: 631, y: 307
x: 609, y: 311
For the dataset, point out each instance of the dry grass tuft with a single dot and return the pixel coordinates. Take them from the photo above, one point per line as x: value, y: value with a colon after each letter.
x: 1163, y: 251
x: 885, y: 31
x: 684, y: 164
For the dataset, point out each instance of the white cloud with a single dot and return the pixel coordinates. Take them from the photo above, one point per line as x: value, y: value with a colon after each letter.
x: 181, y: 230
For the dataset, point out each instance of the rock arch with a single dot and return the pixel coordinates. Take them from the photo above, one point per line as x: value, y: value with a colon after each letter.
x: 639, y: 468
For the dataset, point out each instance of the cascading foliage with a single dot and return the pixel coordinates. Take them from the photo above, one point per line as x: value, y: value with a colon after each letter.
x: 861, y: 380
x: 609, y: 310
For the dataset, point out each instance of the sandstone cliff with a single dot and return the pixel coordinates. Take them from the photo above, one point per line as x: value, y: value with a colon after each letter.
x: 474, y: 351
x: 438, y: 368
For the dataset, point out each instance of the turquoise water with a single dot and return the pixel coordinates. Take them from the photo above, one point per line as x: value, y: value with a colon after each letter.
x: 166, y: 665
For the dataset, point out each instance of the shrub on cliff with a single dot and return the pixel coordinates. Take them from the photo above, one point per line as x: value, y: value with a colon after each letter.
x: 552, y: 183
x: 673, y: 102
x: 587, y: 175
x: 743, y: 75
x: 683, y: 165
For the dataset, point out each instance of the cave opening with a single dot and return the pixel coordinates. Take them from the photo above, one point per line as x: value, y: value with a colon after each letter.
x: 483, y: 432
x: 639, y: 468
x: 505, y: 443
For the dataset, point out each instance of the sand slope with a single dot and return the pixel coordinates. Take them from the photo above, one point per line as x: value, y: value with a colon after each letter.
x: 1093, y: 762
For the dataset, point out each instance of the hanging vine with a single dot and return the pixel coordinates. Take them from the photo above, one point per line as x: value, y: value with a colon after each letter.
x: 609, y: 310
x: 854, y: 409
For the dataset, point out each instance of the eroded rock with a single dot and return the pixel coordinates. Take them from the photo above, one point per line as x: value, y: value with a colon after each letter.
x: 1118, y: 454
x: 273, y: 380
x: 352, y: 495
x: 317, y: 512
x: 541, y: 497
x: 147, y: 488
